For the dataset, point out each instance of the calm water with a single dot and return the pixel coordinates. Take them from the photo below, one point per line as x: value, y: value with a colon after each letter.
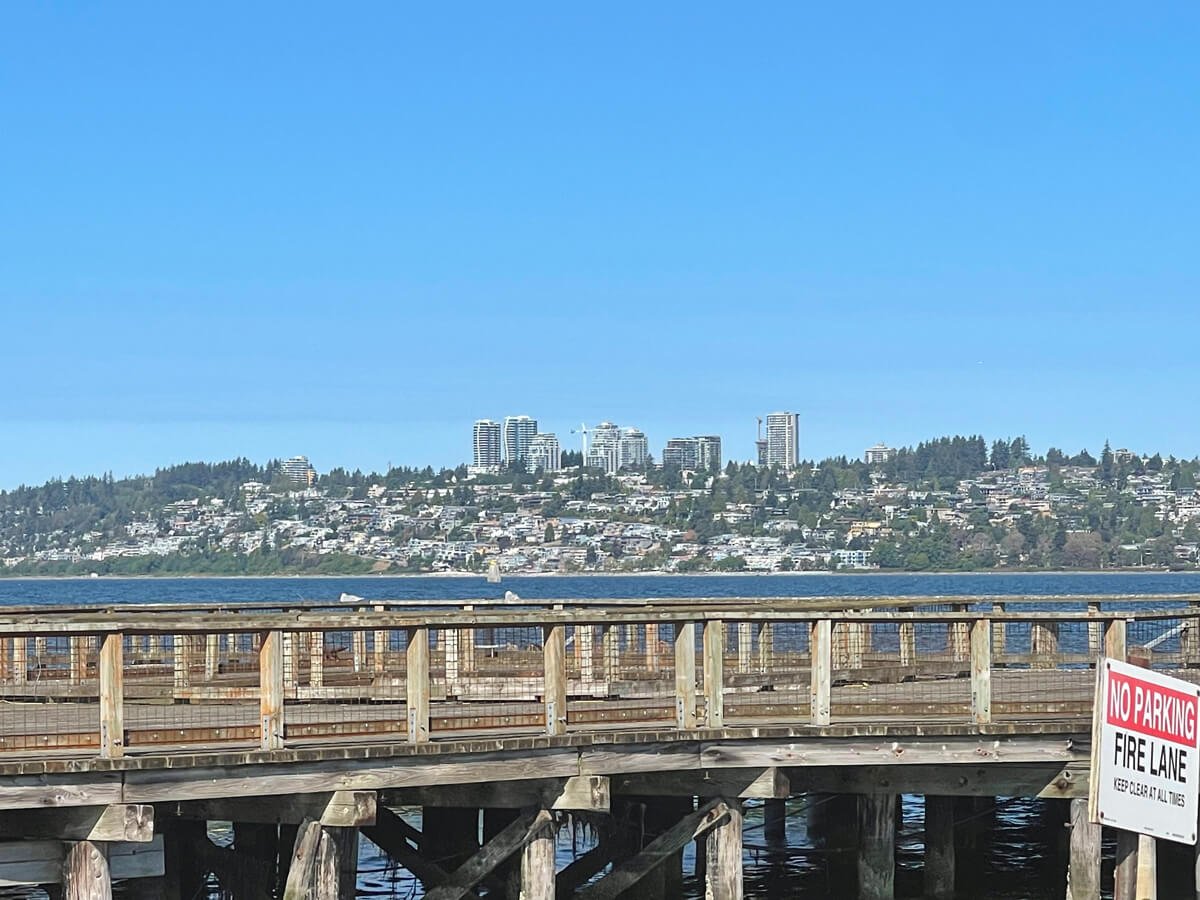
x: 1018, y: 855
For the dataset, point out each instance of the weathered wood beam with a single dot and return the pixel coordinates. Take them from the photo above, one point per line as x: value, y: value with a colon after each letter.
x: 116, y: 822
x: 393, y: 835
x: 581, y: 792
x: 526, y: 828
x: 336, y: 809
x: 628, y: 872
x: 1052, y: 780
x: 763, y: 784
x: 583, y: 869
x: 41, y: 862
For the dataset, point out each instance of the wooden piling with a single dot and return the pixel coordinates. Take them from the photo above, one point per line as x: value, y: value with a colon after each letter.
x: 939, y: 847
x: 877, y: 846
x: 723, y: 849
x: 775, y: 822
x: 537, y: 865
x: 1083, y: 873
x: 85, y: 873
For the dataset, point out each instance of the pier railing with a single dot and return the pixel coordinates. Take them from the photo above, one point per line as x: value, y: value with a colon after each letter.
x: 116, y: 681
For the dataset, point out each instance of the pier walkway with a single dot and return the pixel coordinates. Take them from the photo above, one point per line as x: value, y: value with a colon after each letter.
x: 124, y: 729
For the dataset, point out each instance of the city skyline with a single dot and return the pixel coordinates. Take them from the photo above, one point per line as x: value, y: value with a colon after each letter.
x: 323, y: 244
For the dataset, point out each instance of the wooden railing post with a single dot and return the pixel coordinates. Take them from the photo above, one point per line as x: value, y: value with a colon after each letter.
x: 1190, y: 638
x: 744, y: 633
x: 212, y: 656
x: 417, y: 683
x: 981, y: 671
x: 651, y: 646
x: 291, y: 659
x: 1114, y: 639
x: 999, y: 632
x: 685, y: 675
x: 554, y: 654
x: 1095, y: 631
x: 960, y: 640
x: 270, y: 681
x: 316, y: 659
x: 20, y: 661
x: 908, y: 639
x: 78, y: 659
x: 609, y: 654
x: 714, y: 674
x: 181, y: 662
x: 822, y: 665
x: 766, y: 647
x: 112, y: 696
x: 466, y: 647
x: 585, y: 650
x: 379, y: 648
x: 1043, y: 645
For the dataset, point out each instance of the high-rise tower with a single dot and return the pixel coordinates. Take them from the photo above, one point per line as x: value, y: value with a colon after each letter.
x: 518, y: 433
x: 783, y: 440
x: 487, y: 444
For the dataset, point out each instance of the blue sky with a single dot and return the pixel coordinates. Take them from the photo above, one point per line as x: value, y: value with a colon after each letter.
x: 349, y: 231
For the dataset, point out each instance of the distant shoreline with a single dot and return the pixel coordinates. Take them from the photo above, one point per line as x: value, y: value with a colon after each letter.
x: 890, y: 573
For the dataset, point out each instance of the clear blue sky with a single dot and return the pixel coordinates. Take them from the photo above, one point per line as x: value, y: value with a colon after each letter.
x: 350, y: 230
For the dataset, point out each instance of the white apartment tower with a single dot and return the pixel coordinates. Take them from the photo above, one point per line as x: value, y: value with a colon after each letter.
x: 605, y: 450
x: 298, y: 471
x: 487, y: 444
x: 634, y: 449
x: 518, y: 433
x: 878, y: 455
x: 544, y: 453
x: 783, y: 440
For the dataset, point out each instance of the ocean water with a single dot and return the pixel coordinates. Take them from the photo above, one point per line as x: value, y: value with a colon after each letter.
x: 1020, y: 853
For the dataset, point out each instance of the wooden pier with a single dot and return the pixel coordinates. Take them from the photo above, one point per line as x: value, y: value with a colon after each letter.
x: 123, y: 730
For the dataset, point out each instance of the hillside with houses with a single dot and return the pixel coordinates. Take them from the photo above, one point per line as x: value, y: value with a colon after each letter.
x: 947, y: 504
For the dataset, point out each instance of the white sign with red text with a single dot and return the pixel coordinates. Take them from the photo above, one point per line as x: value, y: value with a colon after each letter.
x: 1149, y: 752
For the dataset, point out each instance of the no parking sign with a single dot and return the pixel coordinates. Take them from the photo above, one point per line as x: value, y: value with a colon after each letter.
x: 1148, y: 759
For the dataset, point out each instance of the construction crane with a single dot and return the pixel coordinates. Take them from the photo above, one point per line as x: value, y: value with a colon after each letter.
x: 583, y: 430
